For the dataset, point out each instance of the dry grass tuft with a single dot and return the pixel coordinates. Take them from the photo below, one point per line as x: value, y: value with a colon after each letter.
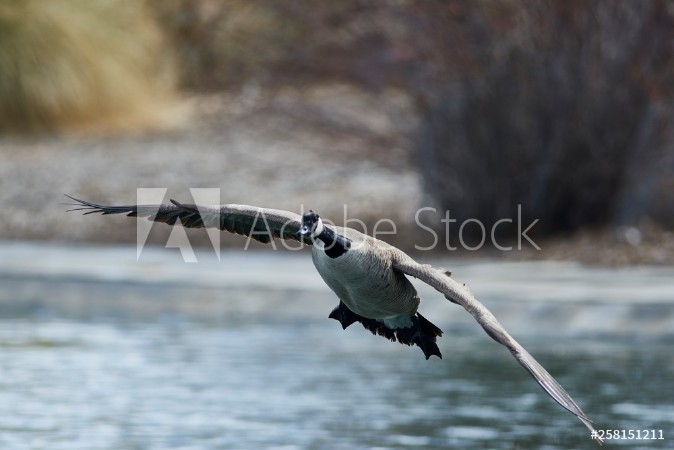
x: 88, y: 66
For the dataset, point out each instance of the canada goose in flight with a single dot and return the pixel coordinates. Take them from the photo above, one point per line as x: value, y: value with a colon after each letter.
x: 368, y: 276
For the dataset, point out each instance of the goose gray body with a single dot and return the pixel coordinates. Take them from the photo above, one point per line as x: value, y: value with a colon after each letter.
x: 368, y: 276
x: 364, y: 280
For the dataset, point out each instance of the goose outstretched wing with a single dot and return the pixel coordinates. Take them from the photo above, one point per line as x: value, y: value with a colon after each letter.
x: 458, y: 293
x: 261, y: 224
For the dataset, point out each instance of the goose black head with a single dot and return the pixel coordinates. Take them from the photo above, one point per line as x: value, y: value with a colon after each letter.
x: 312, y: 225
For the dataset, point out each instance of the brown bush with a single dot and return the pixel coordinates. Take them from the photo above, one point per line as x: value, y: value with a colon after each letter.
x: 562, y: 107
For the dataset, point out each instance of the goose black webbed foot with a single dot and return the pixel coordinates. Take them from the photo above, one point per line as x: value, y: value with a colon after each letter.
x: 423, y: 334
x: 344, y: 315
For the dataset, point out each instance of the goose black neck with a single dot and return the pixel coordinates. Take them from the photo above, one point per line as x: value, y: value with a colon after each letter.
x: 335, y: 245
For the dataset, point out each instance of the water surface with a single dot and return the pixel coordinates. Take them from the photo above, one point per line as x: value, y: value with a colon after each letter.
x: 95, y: 358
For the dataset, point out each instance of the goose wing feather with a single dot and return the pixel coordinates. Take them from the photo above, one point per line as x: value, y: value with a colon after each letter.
x: 458, y: 293
x: 261, y: 224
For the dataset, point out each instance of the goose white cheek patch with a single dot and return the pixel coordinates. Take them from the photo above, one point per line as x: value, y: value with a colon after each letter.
x: 319, y: 228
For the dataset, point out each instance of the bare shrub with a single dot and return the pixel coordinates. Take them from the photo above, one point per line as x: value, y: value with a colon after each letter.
x: 560, y: 106
x: 564, y: 107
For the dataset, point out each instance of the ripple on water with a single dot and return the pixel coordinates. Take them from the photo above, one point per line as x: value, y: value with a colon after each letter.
x: 301, y: 384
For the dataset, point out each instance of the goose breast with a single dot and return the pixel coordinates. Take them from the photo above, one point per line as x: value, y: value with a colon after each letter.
x: 363, y: 278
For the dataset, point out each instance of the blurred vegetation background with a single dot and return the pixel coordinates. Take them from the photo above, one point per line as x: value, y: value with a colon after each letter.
x: 69, y: 64
x: 564, y: 106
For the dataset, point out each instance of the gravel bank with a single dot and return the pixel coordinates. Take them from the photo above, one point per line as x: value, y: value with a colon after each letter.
x: 322, y: 151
